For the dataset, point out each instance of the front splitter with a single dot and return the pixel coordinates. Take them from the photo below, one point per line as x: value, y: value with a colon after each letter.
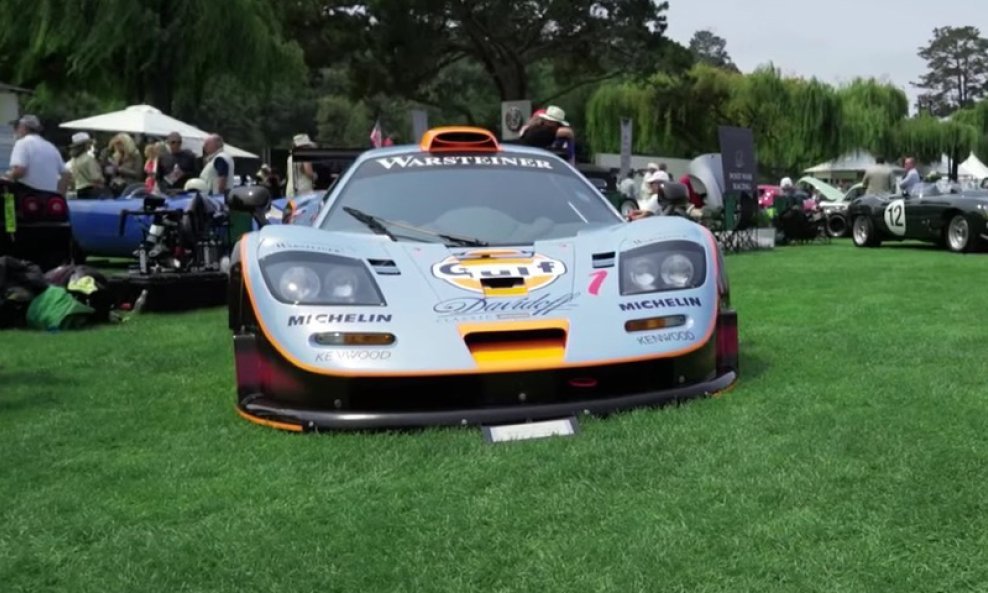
x: 271, y: 413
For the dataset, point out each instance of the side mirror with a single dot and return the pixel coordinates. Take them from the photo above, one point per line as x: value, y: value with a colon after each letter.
x: 248, y: 198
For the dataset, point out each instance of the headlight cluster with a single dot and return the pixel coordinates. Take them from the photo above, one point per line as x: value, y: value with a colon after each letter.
x: 306, y: 278
x: 672, y: 265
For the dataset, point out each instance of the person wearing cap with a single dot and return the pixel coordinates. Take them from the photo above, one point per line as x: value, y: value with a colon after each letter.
x: 645, y: 191
x: 217, y: 170
x: 301, y: 176
x: 651, y: 205
x: 176, y: 166
x: 87, y: 175
x: 34, y: 161
x: 547, y: 128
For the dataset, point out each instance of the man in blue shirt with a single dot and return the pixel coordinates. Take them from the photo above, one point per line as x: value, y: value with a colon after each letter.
x: 911, y: 180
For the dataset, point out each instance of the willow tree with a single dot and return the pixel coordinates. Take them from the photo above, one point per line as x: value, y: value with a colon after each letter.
x: 148, y: 51
x: 871, y: 111
x: 927, y: 139
x: 612, y: 102
x: 976, y: 116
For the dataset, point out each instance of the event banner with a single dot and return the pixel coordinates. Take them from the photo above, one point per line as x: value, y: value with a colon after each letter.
x: 737, y: 154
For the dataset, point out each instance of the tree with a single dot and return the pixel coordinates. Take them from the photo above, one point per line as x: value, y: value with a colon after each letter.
x: 401, y: 46
x: 957, y: 63
x: 154, y: 51
x: 711, y: 49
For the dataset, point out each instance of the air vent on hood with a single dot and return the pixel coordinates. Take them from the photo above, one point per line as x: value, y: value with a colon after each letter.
x: 385, y: 267
x: 603, y: 260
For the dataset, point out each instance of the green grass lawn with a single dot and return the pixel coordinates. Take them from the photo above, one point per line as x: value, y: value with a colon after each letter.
x: 852, y: 456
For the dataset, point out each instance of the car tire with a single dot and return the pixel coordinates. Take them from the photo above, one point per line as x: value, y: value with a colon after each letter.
x: 626, y: 206
x: 836, y: 226
x: 863, y: 232
x: 958, y: 236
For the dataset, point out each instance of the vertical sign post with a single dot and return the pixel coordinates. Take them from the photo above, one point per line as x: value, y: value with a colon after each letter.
x: 420, y: 124
x: 626, y: 144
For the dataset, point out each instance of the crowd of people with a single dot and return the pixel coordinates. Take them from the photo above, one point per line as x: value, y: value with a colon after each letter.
x: 119, y: 167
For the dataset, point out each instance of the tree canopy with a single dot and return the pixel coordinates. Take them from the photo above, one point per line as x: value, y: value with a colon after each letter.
x: 957, y: 70
x: 796, y: 122
x: 711, y: 49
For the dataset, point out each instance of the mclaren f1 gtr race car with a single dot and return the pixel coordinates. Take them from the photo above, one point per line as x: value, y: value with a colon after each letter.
x: 937, y: 213
x: 462, y: 281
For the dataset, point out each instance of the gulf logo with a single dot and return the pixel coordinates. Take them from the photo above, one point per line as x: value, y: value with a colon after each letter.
x: 537, y: 271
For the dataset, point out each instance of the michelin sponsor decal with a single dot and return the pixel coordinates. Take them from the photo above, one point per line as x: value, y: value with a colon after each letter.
x: 413, y: 162
x: 537, y: 271
x: 670, y: 303
x: 329, y: 318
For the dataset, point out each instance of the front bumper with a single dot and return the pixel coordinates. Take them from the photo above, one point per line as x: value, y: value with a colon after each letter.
x: 274, y: 393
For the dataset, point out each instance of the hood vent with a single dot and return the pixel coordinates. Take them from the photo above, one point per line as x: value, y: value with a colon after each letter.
x: 384, y: 267
x: 603, y: 260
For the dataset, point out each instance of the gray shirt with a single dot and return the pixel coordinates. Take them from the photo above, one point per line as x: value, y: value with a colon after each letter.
x: 910, y: 181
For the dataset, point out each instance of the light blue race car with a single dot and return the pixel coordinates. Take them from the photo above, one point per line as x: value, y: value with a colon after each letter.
x: 464, y: 281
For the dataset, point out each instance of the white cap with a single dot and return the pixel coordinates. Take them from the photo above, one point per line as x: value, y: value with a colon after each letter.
x: 660, y: 176
x: 80, y: 138
x: 554, y: 113
x: 196, y: 184
x: 786, y: 182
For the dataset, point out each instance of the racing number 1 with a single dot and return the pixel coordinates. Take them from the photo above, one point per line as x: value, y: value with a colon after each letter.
x: 895, y: 217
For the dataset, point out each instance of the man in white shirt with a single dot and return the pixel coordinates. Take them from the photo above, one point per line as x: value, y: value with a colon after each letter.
x: 650, y: 206
x: 34, y: 161
x: 217, y: 171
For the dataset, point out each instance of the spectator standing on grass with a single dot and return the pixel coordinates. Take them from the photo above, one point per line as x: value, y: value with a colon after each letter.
x: 34, y: 161
x: 217, y: 169
x: 87, y: 175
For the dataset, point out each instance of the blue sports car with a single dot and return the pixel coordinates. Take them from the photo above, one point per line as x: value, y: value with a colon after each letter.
x: 462, y: 281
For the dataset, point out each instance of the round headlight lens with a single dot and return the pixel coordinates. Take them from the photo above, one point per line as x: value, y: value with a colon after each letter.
x: 342, y: 285
x: 643, y: 272
x: 677, y: 270
x: 299, y: 283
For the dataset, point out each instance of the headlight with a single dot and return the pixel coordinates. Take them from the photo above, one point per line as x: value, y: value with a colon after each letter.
x: 672, y: 265
x: 308, y: 278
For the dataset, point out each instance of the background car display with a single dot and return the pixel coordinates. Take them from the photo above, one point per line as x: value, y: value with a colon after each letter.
x: 938, y: 213
x: 462, y: 281
x: 833, y: 204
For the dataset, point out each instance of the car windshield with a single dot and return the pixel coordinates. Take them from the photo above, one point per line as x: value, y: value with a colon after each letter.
x: 507, y: 198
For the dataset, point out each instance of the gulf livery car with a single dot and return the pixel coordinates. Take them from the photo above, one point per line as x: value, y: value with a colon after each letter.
x: 461, y: 281
x: 941, y: 214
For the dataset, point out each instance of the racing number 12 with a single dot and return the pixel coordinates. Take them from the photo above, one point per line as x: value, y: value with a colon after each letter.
x: 895, y: 218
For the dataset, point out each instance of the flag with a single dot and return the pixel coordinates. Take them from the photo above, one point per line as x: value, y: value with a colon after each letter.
x: 375, y: 135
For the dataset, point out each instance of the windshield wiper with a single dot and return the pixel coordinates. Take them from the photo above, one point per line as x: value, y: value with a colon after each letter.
x: 373, y: 223
x: 377, y: 225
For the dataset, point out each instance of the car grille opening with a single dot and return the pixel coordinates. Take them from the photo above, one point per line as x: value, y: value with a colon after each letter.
x: 499, y: 349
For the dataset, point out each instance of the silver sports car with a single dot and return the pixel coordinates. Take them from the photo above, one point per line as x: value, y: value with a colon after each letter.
x: 465, y: 281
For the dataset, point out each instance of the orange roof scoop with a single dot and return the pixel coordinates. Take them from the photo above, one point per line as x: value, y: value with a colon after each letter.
x: 459, y: 139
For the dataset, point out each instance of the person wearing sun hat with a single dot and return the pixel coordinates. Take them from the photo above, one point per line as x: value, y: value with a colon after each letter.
x: 301, y: 176
x: 546, y: 128
x: 87, y: 175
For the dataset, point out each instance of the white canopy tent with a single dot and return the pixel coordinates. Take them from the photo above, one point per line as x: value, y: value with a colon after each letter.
x: 855, y: 162
x: 972, y: 168
x: 147, y: 120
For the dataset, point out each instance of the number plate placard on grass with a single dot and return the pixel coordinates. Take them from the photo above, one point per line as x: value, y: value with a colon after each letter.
x: 530, y: 430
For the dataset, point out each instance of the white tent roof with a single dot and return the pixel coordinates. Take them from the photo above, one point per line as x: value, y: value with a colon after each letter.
x: 147, y: 120
x: 972, y: 167
x: 858, y: 160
